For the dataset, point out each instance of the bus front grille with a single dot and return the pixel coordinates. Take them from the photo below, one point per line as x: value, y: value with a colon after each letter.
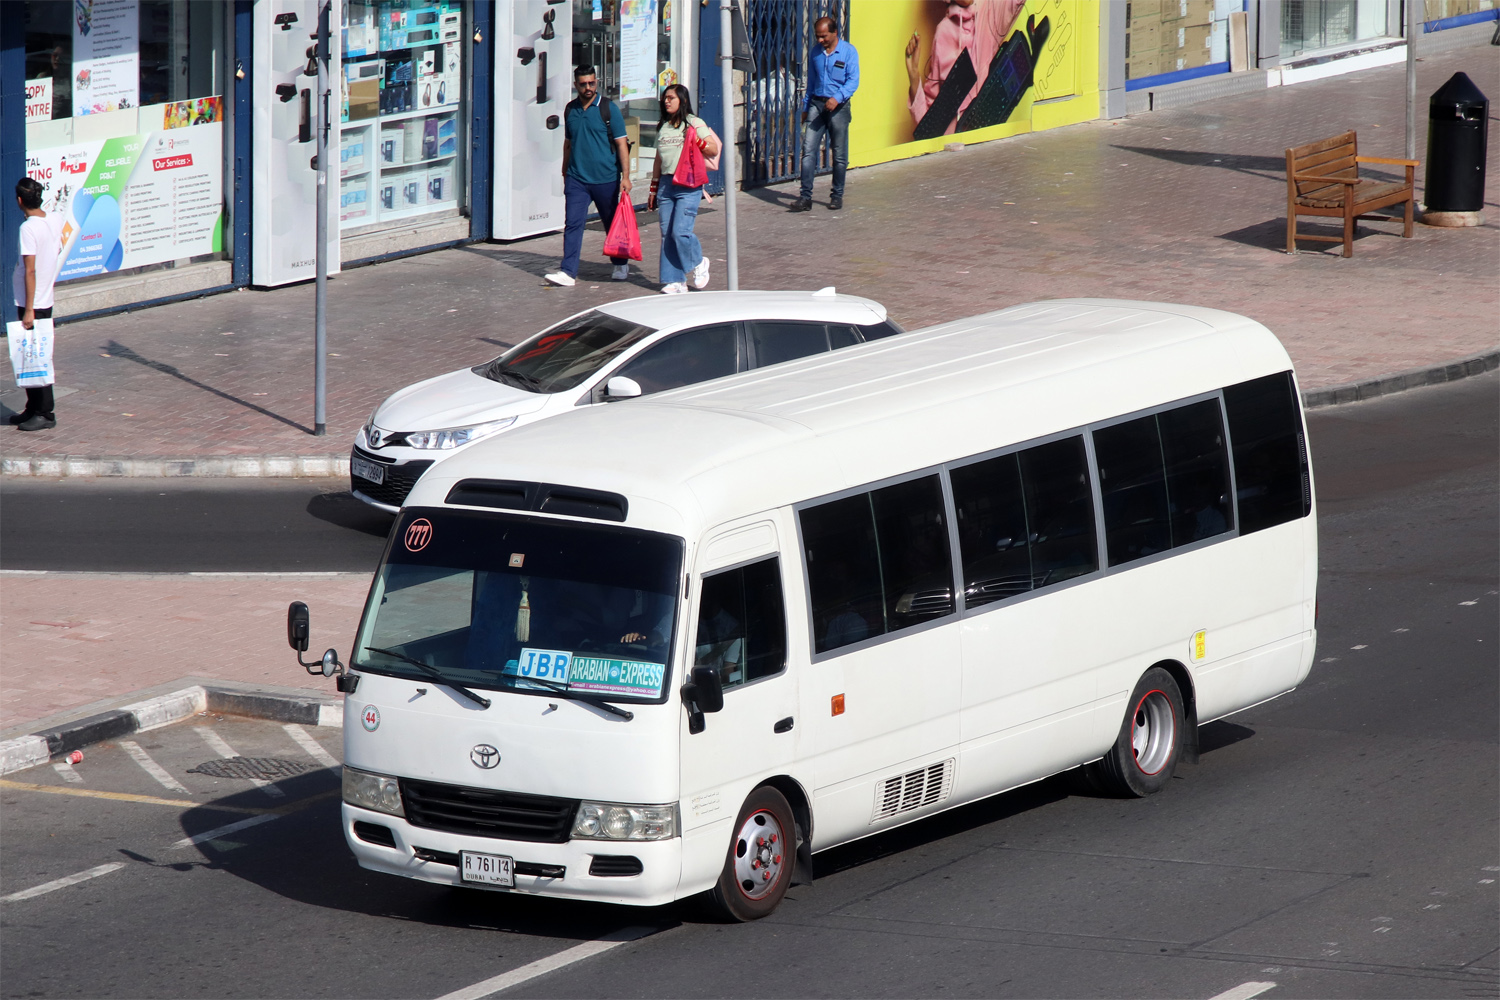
x: 485, y: 812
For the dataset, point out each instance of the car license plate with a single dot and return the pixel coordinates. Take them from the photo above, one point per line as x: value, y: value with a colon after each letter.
x: 366, y: 469
x: 490, y: 869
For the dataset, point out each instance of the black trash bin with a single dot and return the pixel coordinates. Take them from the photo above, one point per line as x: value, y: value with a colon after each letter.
x: 1457, y: 130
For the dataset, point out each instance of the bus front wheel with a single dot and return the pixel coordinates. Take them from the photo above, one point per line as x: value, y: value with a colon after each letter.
x: 762, y: 854
x: 1150, y: 740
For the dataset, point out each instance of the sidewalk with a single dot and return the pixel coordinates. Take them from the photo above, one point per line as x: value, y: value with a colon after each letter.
x: 1182, y: 205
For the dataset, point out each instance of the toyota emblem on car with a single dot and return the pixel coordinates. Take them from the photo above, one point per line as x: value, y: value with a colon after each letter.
x: 484, y: 756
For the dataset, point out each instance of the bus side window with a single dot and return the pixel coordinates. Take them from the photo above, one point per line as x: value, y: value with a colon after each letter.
x: 1270, y: 456
x: 742, y: 623
x: 877, y: 562
x: 1134, y: 483
x: 1059, y: 511
x: 1192, y: 439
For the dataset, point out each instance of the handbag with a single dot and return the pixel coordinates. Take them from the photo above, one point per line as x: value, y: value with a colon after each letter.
x: 624, y: 237
x: 691, y: 171
x: 31, y: 352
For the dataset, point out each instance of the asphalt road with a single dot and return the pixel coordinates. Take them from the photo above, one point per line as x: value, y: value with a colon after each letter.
x: 1342, y: 841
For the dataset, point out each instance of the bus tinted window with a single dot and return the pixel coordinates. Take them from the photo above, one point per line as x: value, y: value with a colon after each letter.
x: 1025, y: 521
x: 1134, y: 483
x: 877, y: 562
x: 742, y: 623
x: 1192, y: 441
x: 1270, y: 456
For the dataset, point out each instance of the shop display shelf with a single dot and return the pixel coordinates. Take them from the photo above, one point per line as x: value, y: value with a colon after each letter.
x: 408, y: 213
x: 387, y: 168
x: 419, y: 113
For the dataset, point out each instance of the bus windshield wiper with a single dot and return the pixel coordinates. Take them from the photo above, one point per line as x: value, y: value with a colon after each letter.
x: 435, y: 674
x: 587, y: 699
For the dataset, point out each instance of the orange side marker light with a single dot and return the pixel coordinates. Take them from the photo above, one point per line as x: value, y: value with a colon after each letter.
x: 838, y: 704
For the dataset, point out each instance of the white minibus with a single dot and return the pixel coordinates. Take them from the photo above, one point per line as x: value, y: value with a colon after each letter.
x: 636, y: 653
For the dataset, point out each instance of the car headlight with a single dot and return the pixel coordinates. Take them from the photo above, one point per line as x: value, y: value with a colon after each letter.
x: 456, y: 436
x: 612, y: 821
x: 372, y: 791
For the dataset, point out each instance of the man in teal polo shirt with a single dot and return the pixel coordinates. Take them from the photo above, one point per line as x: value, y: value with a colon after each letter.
x: 596, y: 168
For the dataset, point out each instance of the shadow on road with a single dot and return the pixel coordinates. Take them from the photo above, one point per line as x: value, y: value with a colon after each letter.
x: 344, y: 510
x: 119, y: 350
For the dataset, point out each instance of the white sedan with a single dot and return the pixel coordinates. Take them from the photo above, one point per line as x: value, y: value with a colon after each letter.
x: 613, y: 352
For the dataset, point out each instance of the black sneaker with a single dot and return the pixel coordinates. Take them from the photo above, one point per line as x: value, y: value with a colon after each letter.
x: 802, y: 205
x: 835, y: 203
x: 20, y: 418
x: 37, y: 422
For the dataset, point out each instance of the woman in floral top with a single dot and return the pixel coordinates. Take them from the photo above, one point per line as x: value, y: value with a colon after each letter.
x: 681, y: 252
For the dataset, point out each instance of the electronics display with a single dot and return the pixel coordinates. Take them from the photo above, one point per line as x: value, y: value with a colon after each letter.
x: 533, y: 84
x: 403, y: 75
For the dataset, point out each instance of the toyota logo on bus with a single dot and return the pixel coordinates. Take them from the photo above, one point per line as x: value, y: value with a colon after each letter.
x: 484, y: 756
x: 418, y: 534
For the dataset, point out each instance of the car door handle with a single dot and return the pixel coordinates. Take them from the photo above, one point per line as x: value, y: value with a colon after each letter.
x: 784, y: 726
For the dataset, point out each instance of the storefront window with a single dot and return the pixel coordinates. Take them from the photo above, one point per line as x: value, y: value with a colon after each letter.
x: 124, y: 128
x: 629, y: 44
x: 1172, y: 36
x: 1307, y: 25
x: 402, y: 124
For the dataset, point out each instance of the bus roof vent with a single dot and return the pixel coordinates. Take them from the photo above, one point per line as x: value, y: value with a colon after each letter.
x: 549, y: 498
x: 903, y: 793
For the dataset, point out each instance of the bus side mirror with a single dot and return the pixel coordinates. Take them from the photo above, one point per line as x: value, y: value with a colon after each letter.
x: 621, y: 387
x: 704, y: 693
x: 298, y: 626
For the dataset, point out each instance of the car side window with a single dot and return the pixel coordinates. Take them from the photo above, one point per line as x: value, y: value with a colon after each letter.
x: 742, y: 623
x: 774, y: 342
x: 684, y: 359
x: 878, y: 331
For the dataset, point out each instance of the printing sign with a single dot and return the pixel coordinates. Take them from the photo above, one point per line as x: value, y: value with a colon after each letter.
x: 106, y: 55
x: 39, y: 100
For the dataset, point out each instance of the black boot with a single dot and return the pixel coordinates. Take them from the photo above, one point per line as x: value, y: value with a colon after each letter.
x: 802, y: 205
x: 836, y: 202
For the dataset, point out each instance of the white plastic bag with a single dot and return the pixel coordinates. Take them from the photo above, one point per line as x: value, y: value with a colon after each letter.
x: 31, y: 352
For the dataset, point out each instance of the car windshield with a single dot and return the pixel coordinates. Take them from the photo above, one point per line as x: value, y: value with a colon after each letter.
x: 559, y: 358
x: 513, y: 602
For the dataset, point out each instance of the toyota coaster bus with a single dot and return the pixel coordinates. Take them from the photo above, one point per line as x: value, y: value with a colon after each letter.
x: 637, y: 653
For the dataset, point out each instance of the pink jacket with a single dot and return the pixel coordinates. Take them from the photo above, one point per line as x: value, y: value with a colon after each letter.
x: 980, y: 29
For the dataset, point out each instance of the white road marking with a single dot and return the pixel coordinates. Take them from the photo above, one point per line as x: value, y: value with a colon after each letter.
x: 62, y: 883
x: 552, y: 963
x: 152, y: 768
x: 65, y: 769
x: 228, y: 828
x: 217, y: 745
x: 1244, y: 991
x: 313, y: 747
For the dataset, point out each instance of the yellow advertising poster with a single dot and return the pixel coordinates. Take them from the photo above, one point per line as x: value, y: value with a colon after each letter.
x: 933, y: 72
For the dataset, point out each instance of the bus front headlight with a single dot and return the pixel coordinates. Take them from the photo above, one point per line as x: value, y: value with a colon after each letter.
x: 613, y: 821
x: 372, y: 791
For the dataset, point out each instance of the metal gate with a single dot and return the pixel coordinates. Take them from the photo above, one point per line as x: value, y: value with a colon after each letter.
x: 781, y: 35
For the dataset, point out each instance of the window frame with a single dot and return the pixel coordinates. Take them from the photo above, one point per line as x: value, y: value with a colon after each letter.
x: 703, y: 576
x: 954, y: 563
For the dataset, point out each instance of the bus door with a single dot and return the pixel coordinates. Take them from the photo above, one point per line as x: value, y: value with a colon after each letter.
x: 738, y: 628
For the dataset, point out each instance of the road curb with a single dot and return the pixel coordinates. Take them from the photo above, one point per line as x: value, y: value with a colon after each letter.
x: 37, y: 748
x: 1401, y: 381
x: 337, y: 466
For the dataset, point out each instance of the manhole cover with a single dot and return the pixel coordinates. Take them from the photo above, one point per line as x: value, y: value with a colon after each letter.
x: 262, y: 768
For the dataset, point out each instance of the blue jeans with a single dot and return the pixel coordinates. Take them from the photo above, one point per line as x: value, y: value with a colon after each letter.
x: 835, y: 124
x: 578, y: 194
x: 680, y: 249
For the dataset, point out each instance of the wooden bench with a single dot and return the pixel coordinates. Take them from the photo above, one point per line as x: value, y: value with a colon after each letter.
x: 1322, y: 178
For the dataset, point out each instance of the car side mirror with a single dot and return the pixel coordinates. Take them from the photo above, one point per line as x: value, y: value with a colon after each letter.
x: 621, y: 387
x: 298, y: 626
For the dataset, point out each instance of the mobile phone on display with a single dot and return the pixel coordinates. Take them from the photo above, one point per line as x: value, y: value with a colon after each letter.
x: 951, y: 93
x: 1012, y: 73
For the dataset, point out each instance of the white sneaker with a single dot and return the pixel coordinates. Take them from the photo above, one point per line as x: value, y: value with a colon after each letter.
x: 675, y: 288
x: 559, y: 278
x: 621, y: 272
x: 700, y: 274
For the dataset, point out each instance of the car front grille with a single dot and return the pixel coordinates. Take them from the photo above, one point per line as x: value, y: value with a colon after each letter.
x: 399, y: 479
x: 485, y: 812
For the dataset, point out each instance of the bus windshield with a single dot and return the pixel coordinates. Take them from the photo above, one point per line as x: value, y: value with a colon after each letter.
x: 512, y: 602
x: 562, y: 356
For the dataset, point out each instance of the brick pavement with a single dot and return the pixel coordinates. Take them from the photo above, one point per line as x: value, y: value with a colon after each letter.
x: 71, y: 639
x: 1182, y: 205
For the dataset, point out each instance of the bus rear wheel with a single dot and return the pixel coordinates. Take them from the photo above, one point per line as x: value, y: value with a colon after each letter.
x: 1145, y: 753
x: 762, y: 854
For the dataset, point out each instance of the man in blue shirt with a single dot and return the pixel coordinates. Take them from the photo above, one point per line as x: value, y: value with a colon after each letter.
x: 595, y: 166
x: 832, y: 78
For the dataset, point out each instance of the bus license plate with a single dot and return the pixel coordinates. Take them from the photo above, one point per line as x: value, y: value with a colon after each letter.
x: 366, y: 469
x: 490, y: 869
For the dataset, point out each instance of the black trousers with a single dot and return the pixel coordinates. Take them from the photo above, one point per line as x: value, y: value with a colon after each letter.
x: 38, y: 398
